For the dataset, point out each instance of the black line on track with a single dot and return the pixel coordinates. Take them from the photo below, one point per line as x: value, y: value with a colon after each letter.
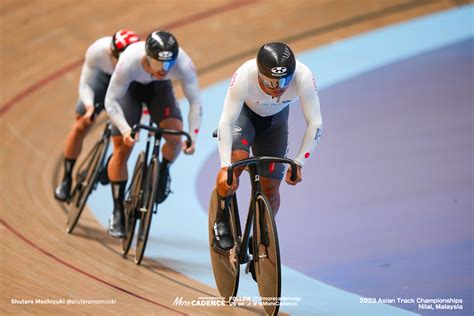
x: 320, y: 30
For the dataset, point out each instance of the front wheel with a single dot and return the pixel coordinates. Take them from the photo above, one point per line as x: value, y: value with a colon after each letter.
x: 267, y: 256
x: 225, y: 263
x: 132, y: 202
x: 147, y: 208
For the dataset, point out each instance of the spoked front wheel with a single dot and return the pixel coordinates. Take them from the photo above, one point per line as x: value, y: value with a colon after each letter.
x: 147, y: 208
x: 132, y: 202
x: 267, y: 256
x: 86, y: 177
x: 225, y: 263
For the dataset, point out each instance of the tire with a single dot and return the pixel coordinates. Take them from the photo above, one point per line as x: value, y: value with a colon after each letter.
x: 147, y: 208
x: 86, y: 178
x: 267, y: 255
x: 132, y: 202
x: 225, y: 264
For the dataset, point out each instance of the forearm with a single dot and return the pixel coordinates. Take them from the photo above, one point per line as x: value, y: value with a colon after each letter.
x: 117, y: 116
x: 194, y: 119
x: 86, y: 93
x: 310, y: 140
x: 225, y: 143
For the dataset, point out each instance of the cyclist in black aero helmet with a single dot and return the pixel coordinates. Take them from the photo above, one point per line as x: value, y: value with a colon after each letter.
x: 162, y: 50
x: 276, y: 65
x: 144, y: 76
x: 255, y: 115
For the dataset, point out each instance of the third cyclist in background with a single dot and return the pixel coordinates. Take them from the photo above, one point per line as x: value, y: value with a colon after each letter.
x: 99, y: 64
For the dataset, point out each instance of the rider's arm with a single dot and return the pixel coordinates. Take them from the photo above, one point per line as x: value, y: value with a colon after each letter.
x: 86, y: 93
x: 118, y: 86
x: 190, y: 85
x: 312, y: 113
x: 232, y: 106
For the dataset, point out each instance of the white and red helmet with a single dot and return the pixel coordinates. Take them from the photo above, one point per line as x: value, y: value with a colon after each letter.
x: 121, y: 39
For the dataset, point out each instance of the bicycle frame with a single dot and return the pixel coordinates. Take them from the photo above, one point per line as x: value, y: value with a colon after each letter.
x: 105, y: 135
x: 255, y: 192
x: 157, y: 133
x: 147, y: 205
x: 264, y: 259
x: 155, y: 150
x: 87, y: 179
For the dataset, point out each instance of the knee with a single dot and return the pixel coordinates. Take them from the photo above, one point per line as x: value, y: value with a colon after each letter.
x: 238, y: 155
x: 121, y: 152
x: 82, y: 126
x: 272, y: 192
x: 238, y: 171
x: 174, y: 141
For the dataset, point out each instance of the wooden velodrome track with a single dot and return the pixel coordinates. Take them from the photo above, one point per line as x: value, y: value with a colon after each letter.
x: 41, y: 50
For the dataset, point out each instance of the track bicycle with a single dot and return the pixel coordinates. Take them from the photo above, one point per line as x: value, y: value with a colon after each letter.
x: 264, y: 259
x: 140, y: 201
x: 87, y: 177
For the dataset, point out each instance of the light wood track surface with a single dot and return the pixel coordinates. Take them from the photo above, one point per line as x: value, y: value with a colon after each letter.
x: 41, y: 50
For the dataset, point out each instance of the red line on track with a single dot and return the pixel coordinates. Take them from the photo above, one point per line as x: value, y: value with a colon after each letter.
x: 32, y: 244
x: 175, y: 24
x: 61, y: 72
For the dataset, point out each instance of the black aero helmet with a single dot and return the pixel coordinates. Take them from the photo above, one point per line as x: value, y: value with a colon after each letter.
x: 276, y: 61
x: 162, y: 46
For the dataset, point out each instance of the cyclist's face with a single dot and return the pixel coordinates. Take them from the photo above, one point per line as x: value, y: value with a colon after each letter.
x: 274, y: 87
x: 160, y: 68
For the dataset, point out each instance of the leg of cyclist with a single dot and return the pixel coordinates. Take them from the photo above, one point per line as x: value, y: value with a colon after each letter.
x: 243, y: 135
x: 272, y: 140
x: 170, y: 151
x: 271, y: 189
x: 118, y: 175
x: 117, y: 166
x: 78, y: 132
x: 72, y: 150
x: 165, y: 112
